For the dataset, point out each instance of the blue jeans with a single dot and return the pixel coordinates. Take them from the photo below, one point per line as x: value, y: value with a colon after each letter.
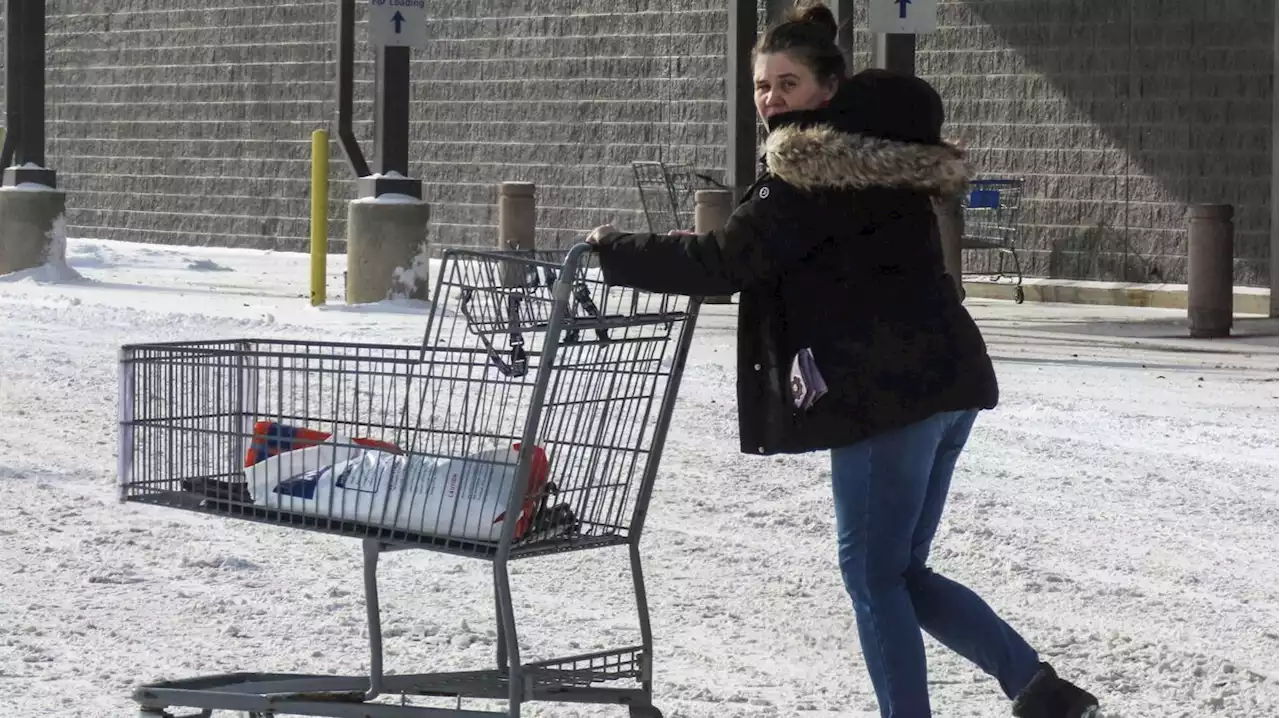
x: 889, y: 494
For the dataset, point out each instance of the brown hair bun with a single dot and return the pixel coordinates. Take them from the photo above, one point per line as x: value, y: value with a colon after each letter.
x: 817, y: 15
x: 808, y: 35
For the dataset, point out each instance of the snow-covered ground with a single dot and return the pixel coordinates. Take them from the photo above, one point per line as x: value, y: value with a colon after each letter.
x: 1120, y: 507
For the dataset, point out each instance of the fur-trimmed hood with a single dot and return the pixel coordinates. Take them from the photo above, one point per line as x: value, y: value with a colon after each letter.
x: 821, y: 156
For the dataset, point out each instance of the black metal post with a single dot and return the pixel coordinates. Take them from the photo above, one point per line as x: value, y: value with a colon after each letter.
x: 12, y: 81
x: 896, y: 53
x: 25, y: 30
x: 1274, y: 309
x: 740, y: 98
x: 346, y: 86
x: 393, y: 153
x: 843, y: 10
x: 31, y: 148
x: 391, y: 136
x: 391, y: 114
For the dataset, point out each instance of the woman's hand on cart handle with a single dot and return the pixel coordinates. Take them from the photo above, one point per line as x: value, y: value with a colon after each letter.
x: 605, y: 230
x: 600, y: 232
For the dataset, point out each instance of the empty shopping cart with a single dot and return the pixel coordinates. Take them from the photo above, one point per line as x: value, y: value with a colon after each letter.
x: 991, y: 225
x: 529, y: 422
x: 667, y: 192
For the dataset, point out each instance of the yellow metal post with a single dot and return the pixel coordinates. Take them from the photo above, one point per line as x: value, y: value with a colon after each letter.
x: 319, y: 214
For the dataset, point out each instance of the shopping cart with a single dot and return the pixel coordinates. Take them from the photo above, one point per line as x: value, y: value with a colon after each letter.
x: 538, y: 393
x: 991, y: 225
x: 667, y: 191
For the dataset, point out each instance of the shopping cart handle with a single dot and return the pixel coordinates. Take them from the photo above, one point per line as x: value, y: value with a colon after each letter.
x: 573, y: 259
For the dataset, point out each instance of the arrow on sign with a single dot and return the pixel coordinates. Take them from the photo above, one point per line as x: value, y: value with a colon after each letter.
x: 398, y: 19
x: 902, y: 9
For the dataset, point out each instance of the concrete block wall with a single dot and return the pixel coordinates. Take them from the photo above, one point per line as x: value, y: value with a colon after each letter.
x: 565, y: 94
x: 169, y: 123
x: 172, y: 123
x: 1118, y: 113
x: 175, y: 125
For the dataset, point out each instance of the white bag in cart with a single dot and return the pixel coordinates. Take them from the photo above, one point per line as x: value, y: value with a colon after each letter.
x: 459, y: 498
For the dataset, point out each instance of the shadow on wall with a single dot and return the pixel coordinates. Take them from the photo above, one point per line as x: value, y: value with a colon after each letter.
x: 1119, y: 113
x: 1092, y: 254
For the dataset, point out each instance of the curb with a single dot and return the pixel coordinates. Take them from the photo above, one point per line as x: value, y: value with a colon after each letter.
x: 1247, y: 300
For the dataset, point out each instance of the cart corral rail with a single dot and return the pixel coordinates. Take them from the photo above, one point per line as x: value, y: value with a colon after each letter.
x: 530, y: 421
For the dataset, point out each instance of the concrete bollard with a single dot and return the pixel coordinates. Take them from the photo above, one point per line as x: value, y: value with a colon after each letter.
x: 517, y: 212
x: 1210, y: 252
x: 387, y: 252
x: 950, y: 212
x: 711, y: 210
x: 27, y: 216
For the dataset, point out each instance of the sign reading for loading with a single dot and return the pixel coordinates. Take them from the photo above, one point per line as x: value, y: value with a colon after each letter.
x: 398, y: 23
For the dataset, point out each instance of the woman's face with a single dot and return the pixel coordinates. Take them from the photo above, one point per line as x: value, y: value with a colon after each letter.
x: 784, y: 85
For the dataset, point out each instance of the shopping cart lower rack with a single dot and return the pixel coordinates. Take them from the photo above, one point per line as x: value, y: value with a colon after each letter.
x: 529, y: 422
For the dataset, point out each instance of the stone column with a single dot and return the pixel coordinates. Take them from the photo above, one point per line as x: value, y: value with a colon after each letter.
x: 1210, y: 294
x: 27, y: 216
x: 711, y: 210
x: 387, y: 251
x: 517, y: 211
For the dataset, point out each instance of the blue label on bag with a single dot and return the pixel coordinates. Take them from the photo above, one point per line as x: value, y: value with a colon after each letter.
x: 301, y: 487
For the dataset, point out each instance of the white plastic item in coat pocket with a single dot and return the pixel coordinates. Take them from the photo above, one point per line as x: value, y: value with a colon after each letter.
x: 460, y: 498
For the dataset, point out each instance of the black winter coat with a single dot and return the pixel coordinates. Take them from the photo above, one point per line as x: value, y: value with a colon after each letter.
x: 836, y: 249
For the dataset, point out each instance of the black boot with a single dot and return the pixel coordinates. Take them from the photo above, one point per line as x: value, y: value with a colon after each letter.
x: 1048, y: 696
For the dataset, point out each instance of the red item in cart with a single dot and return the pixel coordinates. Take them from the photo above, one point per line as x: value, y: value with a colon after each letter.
x: 271, y: 438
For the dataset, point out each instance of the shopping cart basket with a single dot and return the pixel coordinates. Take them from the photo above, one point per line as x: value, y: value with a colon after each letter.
x: 529, y: 422
x: 667, y: 192
x: 991, y: 225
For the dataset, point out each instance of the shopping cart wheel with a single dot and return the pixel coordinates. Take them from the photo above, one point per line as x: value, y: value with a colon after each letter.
x: 645, y: 712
